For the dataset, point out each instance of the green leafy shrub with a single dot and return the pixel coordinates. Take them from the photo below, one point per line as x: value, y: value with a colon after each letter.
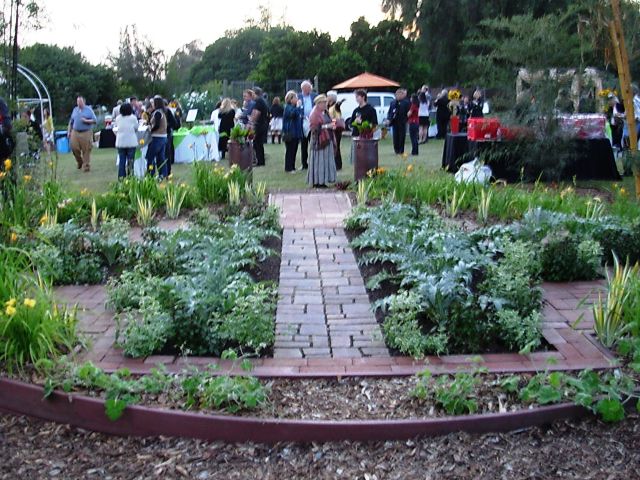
x: 564, y: 258
x: 518, y: 332
x: 198, y: 278
x: 403, y: 332
x: 144, y: 331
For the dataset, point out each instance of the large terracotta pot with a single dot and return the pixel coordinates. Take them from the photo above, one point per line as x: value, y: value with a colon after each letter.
x: 241, y: 154
x: 365, y: 157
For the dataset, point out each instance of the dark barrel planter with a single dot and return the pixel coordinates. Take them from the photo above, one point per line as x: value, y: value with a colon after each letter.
x: 241, y: 154
x: 365, y: 157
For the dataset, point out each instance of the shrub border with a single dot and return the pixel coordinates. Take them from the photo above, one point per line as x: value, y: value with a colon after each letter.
x: 88, y: 413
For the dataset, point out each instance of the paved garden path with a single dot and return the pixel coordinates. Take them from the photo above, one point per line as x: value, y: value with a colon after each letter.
x: 323, y: 307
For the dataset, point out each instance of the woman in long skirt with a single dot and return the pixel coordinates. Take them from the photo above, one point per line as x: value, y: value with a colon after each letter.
x: 322, y: 164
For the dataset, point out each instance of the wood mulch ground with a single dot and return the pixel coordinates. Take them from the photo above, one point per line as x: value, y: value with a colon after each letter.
x: 587, y: 449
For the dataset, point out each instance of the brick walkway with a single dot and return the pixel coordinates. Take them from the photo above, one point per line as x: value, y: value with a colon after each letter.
x: 323, y: 307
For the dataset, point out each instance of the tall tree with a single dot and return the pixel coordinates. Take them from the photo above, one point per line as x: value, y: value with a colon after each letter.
x: 67, y: 74
x: 179, y: 67
x: 387, y: 51
x: 440, y: 26
x: 138, y: 64
x: 231, y: 57
x: 292, y: 55
x: 15, y: 17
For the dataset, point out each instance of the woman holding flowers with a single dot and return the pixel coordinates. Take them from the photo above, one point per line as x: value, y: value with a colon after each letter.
x: 322, y: 167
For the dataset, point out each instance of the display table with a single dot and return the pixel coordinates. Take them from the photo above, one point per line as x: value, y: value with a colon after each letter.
x: 197, y: 143
x: 107, y: 138
x: 594, y: 158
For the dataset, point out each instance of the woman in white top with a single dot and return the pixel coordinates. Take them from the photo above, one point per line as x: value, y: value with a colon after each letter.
x: 423, y: 117
x: 126, y: 139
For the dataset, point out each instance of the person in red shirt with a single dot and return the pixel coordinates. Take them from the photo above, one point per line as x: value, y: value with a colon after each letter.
x: 413, y: 118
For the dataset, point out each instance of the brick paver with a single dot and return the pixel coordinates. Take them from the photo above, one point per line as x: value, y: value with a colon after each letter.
x: 323, y: 308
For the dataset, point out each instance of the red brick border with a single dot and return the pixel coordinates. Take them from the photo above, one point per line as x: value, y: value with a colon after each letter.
x: 574, y: 348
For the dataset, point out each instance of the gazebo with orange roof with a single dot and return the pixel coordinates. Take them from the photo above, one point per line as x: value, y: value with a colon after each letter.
x: 366, y: 80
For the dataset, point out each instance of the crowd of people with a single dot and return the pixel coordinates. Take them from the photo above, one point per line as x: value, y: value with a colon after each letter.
x: 307, y: 121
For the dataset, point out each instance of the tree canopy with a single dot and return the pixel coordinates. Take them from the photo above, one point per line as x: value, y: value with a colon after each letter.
x: 67, y: 74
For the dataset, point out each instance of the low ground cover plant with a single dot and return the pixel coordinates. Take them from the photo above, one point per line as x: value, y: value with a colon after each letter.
x: 607, y: 394
x: 191, y: 389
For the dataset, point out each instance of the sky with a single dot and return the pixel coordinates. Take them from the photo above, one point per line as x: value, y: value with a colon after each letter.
x: 93, y: 27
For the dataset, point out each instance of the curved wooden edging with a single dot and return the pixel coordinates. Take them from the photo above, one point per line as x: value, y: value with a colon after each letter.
x: 88, y: 413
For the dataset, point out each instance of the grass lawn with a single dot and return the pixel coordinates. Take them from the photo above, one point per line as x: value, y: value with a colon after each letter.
x: 103, y: 168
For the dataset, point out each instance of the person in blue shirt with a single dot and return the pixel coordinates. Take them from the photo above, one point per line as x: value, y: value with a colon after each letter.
x: 80, y: 133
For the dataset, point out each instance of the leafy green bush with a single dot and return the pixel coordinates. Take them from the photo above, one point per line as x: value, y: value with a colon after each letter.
x: 518, y: 332
x: 454, y: 282
x: 72, y: 254
x: 403, y: 332
x: 564, y: 258
x: 143, y: 331
x: 197, y: 277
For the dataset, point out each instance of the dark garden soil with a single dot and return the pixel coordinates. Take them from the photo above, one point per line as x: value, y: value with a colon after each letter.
x: 589, y: 449
x: 269, y: 269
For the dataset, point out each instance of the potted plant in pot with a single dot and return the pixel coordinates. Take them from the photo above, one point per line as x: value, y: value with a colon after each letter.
x: 454, y: 97
x: 240, y: 147
x: 365, y: 150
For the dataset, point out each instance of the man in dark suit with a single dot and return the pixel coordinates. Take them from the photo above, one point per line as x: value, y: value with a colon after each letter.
x: 260, y: 120
x: 305, y: 100
x: 397, y: 118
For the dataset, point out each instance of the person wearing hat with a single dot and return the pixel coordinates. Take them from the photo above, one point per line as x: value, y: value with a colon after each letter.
x: 322, y: 164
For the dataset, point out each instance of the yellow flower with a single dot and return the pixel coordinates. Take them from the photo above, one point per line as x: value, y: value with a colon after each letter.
x: 44, y: 219
x: 26, y: 178
x: 11, y: 311
x: 409, y: 168
x: 2, y: 175
x: 50, y: 164
x: 405, y: 156
x: 14, y: 237
x: 11, y: 302
x: 7, y: 164
x: 183, y: 185
x: 141, y: 142
x: 150, y: 168
x: 29, y: 302
x: 623, y: 191
x: 84, y: 192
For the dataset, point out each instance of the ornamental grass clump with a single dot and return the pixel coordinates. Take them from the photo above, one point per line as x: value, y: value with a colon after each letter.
x: 610, y: 322
x: 174, y: 195
x: 32, y: 326
x: 144, y: 211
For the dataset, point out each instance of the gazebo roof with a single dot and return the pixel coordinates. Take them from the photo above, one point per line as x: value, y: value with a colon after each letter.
x: 366, y: 80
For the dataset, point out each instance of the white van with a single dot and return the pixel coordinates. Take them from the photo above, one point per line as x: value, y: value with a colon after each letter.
x: 378, y: 100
